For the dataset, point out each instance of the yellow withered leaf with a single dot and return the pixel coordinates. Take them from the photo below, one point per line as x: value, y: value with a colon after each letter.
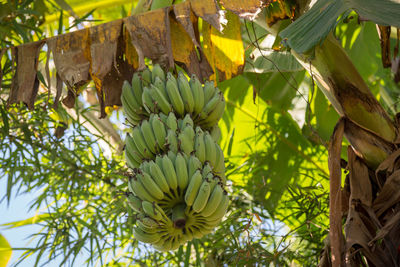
x: 224, y: 50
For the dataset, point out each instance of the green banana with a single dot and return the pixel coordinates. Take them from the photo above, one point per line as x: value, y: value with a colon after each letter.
x: 169, y: 172
x: 129, y: 98
x: 198, y: 94
x: 174, y: 95
x: 215, y: 132
x: 209, y: 91
x: 144, y: 237
x: 151, y: 210
x: 133, y: 149
x: 181, y: 171
x: 194, y: 164
x: 132, y: 115
x: 145, y: 228
x: 159, y: 99
x: 216, y: 114
x: 131, y: 162
x: 149, y: 137
x: 147, y: 100
x: 171, y: 141
x: 211, y: 153
x: 146, y: 77
x: 186, y: 143
x: 161, y: 87
x: 157, y: 72
x: 137, y: 88
x: 172, y: 122
x: 206, y: 169
x: 199, y: 146
x: 140, y: 143
x: 158, y: 176
x: 166, y: 246
x: 159, y: 131
x: 138, y: 189
x: 214, y: 200
x: 193, y: 188
x: 202, y: 197
x: 214, y: 180
x: 187, y: 121
x: 151, y: 186
x: 219, y: 167
x: 221, y: 209
x: 186, y: 93
x: 189, y: 131
x: 149, y: 222
x: 175, y: 244
x: 197, y: 232
x: 172, y: 156
x: 134, y: 202
x: 209, y: 107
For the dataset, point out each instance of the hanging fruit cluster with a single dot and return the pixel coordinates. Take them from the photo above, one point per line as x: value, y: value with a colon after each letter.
x: 177, y: 185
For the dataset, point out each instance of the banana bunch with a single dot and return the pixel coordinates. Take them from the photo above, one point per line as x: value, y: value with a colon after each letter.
x: 177, y: 179
x: 162, y: 134
x: 155, y: 92
x: 177, y: 199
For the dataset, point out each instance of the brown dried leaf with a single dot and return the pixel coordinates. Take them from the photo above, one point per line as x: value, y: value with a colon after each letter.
x: 390, y: 225
x: 150, y: 36
x: 184, y: 52
x: 245, y: 9
x: 360, y: 185
x: 187, y: 19
x: 358, y: 234
x: 103, y: 49
x: 25, y: 83
x: 389, y: 195
x: 388, y: 165
x: 120, y: 71
x: 209, y: 11
x: 107, y: 66
x: 71, y: 60
x: 224, y: 50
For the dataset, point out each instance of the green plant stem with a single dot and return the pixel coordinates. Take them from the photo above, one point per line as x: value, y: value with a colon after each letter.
x: 178, y: 216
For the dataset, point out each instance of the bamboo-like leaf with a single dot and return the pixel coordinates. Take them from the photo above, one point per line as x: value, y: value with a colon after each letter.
x: 33, y: 220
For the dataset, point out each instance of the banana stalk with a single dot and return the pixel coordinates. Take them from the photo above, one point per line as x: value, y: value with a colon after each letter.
x: 178, y: 216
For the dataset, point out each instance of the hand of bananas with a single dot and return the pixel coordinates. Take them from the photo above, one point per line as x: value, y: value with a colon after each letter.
x: 152, y: 92
x: 177, y: 185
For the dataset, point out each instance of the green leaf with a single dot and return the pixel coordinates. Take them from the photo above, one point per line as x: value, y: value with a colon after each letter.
x: 312, y: 27
x: 32, y: 220
x: 265, y: 59
x: 5, y: 251
x: 268, y: 150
